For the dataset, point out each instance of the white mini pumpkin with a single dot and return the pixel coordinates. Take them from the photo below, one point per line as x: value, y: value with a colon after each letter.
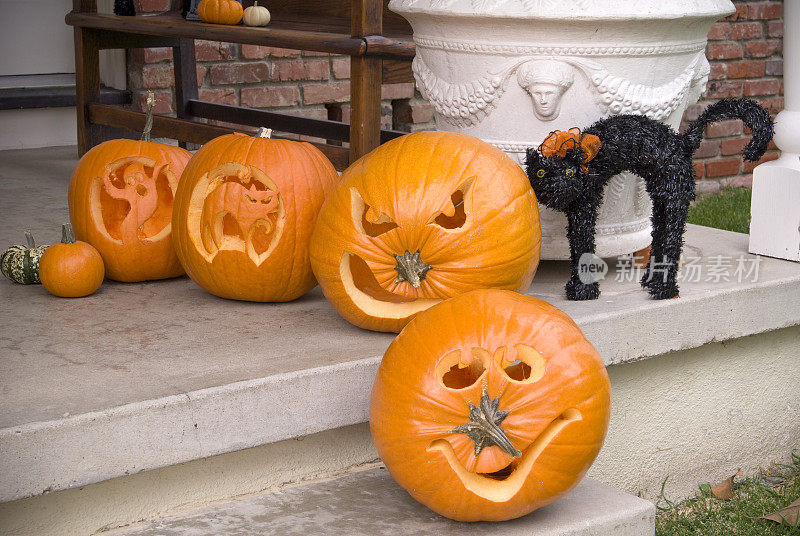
x: 256, y: 15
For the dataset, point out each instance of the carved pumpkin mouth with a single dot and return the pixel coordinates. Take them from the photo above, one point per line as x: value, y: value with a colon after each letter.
x: 502, y: 485
x: 369, y: 296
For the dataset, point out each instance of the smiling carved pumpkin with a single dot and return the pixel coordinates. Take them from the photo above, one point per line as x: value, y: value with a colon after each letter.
x: 420, y: 219
x: 489, y: 406
x: 244, y: 212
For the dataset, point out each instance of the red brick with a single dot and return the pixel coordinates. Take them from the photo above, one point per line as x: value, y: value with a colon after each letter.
x: 151, y: 55
x: 746, y: 30
x: 322, y: 93
x: 270, y: 97
x: 773, y: 105
x: 738, y: 181
x: 219, y: 95
x: 412, y: 112
x: 748, y: 166
x: 746, y: 69
x: 162, y: 104
x: 255, y: 52
x: 397, y: 91
x: 771, y: 10
x: 707, y: 149
x: 721, y: 129
x: 693, y: 112
x: 152, y: 6
x: 239, y: 73
x: 201, y: 74
x: 341, y: 67
x: 719, y: 31
x: 213, y: 50
x: 724, y: 51
x: 314, y: 54
x: 157, y: 76
x: 733, y: 146
x: 739, y: 14
x: 722, y: 168
x: 775, y: 28
x: 698, y: 170
x: 774, y: 68
x: 283, y: 71
x: 753, y: 88
x: 719, y: 70
x: 719, y: 89
x: 762, y: 49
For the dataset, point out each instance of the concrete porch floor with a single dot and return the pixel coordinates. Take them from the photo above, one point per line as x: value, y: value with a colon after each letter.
x: 144, y: 377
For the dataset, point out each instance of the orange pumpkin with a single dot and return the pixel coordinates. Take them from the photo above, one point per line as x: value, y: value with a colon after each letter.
x: 220, y: 11
x: 71, y: 269
x: 489, y: 406
x: 423, y: 218
x: 244, y: 213
x: 120, y: 201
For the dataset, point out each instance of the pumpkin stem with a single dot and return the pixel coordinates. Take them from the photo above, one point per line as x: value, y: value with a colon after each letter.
x: 484, y: 427
x: 148, y: 118
x: 67, y: 236
x: 264, y: 132
x: 411, y: 268
x: 29, y: 239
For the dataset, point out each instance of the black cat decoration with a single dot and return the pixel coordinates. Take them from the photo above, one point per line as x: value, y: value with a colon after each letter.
x: 569, y: 170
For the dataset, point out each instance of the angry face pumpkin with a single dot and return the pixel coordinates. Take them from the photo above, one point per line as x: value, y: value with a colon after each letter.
x: 420, y: 219
x: 489, y: 406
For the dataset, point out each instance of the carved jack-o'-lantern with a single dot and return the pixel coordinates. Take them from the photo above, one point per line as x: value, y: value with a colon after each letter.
x: 423, y: 218
x: 489, y: 406
x: 244, y: 213
x: 120, y: 202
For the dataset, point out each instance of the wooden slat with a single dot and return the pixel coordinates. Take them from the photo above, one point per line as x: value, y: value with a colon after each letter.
x: 87, y: 84
x: 397, y: 72
x: 110, y: 39
x: 320, y: 128
x: 390, y: 47
x: 365, y: 80
x: 185, y: 130
x: 185, y: 68
x: 173, y: 25
x: 54, y: 97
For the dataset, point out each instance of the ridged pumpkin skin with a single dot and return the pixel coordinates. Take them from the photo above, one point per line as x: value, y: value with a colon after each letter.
x: 244, y: 213
x: 462, y: 204
x: 120, y: 202
x: 71, y: 269
x: 557, y: 417
x: 220, y: 11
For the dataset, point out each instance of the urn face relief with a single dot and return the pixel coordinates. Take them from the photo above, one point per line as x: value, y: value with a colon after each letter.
x: 511, y: 71
x: 244, y: 213
x: 420, y: 219
x: 489, y: 405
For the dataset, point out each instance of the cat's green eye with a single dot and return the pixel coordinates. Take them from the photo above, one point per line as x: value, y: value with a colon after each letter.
x: 570, y: 172
x: 540, y: 173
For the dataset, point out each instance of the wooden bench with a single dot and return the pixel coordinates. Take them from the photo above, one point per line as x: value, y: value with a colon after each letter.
x: 378, y: 42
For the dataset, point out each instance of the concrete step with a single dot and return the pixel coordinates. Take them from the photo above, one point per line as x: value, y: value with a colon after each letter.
x: 370, y: 503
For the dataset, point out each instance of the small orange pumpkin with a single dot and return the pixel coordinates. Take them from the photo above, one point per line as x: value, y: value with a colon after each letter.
x: 489, y: 405
x: 71, y: 269
x: 120, y: 201
x: 220, y: 11
x: 244, y: 212
x: 422, y: 218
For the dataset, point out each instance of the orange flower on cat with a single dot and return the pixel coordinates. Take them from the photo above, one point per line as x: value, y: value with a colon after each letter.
x: 560, y: 141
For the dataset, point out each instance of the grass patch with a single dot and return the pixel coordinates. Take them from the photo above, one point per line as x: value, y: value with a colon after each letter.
x: 727, y: 209
x: 705, y: 515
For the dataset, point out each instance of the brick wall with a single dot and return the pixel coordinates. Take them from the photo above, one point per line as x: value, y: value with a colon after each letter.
x: 744, y: 51
x: 745, y: 55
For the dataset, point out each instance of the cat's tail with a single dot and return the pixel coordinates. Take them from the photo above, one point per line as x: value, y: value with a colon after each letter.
x: 749, y: 111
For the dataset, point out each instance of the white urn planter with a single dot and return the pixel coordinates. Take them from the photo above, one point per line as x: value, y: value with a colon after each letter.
x: 511, y: 71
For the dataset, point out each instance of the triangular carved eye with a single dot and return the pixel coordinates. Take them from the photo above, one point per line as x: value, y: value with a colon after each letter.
x: 367, y: 219
x: 454, y: 213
